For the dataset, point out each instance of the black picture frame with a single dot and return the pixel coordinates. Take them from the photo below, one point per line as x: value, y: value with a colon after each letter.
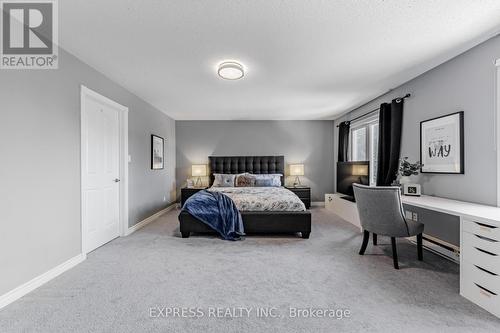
x: 157, y: 153
x: 461, y: 149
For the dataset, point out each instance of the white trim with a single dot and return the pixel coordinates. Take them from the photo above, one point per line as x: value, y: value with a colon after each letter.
x: 497, y: 126
x: 317, y: 204
x: 123, y: 160
x: 124, y: 172
x: 453, y: 256
x: 38, y: 281
x: 150, y: 219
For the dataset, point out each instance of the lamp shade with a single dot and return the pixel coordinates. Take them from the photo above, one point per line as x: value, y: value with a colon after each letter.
x: 199, y: 170
x: 296, y: 169
x: 360, y: 170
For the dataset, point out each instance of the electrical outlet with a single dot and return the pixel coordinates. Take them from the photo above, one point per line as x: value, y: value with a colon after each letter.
x: 415, y: 217
x: 409, y: 215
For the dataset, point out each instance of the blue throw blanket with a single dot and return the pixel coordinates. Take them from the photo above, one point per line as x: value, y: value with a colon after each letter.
x: 217, y: 211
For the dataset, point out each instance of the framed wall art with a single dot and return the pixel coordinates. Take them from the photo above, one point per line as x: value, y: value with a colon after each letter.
x: 442, y: 144
x: 157, y: 151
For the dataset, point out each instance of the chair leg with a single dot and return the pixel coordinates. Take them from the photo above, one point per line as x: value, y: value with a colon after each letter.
x: 374, y: 239
x: 419, y: 247
x: 394, y: 253
x: 366, y: 236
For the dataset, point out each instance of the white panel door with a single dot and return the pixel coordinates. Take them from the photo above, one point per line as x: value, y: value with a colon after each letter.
x: 100, y: 173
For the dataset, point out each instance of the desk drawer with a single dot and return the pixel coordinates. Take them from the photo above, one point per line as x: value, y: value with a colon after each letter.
x: 479, y: 294
x: 481, y: 277
x: 482, y: 229
x: 480, y: 242
x: 482, y: 258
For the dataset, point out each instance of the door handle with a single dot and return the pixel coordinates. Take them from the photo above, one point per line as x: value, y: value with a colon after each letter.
x: 117, y: 180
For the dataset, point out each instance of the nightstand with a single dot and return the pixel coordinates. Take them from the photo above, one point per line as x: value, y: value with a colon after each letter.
x: 303, y: 192
x: 187, y: 192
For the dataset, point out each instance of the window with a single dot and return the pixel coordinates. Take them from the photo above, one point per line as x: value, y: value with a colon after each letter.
x: 364, y: 143
x: 358, y: 152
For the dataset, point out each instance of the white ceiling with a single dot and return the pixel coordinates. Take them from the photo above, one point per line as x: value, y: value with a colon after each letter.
x: 305, y: 59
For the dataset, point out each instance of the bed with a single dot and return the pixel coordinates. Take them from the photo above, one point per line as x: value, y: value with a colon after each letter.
x: 286, y: 218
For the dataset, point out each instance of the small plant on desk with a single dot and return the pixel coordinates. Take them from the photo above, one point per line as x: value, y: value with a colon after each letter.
x: 407, y: 169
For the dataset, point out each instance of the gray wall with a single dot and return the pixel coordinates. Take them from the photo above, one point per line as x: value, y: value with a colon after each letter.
x: 308, y: 142
x: 465, y: 83
x: 40, y: 165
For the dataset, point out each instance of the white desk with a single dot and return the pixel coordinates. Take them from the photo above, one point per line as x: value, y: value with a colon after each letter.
x: 479, y: 247
x: 479, y: 244
x: 454, y: 207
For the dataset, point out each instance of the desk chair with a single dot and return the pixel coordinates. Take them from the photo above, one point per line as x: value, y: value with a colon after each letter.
x: 381, y: 213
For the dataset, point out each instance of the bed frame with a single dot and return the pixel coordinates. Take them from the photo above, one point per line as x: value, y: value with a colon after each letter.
x: 254, y: 222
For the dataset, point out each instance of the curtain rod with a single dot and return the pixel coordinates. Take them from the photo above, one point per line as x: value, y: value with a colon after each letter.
x: 398, y: 99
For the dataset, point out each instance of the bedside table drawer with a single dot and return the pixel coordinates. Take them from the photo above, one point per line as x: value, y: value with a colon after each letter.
x: 302, y: 193
x: 301, y: 190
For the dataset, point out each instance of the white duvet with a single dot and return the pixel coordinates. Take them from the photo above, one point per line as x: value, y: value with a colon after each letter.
x: 274, y: 199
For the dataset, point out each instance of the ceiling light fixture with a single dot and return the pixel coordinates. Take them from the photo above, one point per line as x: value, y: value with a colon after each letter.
x: 231, y: 70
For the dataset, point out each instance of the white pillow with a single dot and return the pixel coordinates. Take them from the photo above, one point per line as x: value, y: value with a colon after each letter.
x: 223, y: 180
x: 274, y: 177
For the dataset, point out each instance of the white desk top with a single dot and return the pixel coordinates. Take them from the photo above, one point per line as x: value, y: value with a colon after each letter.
x: 454, y: 207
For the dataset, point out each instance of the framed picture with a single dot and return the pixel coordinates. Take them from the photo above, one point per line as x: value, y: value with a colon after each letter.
x: 442, y: 144
x: 157, y: 144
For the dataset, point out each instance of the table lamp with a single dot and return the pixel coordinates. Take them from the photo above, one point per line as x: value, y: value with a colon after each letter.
x: 198, y: 170
x: 296, y: 170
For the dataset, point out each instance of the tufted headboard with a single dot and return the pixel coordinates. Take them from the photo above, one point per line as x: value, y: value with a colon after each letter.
x: 251, y: 164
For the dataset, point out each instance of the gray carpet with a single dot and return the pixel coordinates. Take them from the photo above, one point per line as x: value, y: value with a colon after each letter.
x: 114, y: 289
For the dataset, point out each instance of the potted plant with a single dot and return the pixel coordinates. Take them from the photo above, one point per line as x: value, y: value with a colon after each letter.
x: 407, y: 169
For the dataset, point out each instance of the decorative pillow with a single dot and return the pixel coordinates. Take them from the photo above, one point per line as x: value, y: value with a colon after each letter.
x: 223, y: 180
x: 275, y: 179
x: 263, y: 182
x: 245, y: 180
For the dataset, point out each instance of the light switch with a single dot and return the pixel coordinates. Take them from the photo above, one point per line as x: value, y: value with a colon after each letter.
x: 129, y: 158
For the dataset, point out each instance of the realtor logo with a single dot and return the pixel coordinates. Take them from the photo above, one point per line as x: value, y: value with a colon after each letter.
x: 29, y: 34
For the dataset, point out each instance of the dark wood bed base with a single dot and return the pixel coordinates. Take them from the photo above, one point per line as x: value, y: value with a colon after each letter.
x: 254, y: 222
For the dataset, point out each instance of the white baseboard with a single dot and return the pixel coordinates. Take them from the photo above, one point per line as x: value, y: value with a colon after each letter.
x: 38, y: 281
x: 443, y: 251
x: 150, y: 219
x: 318, y: 204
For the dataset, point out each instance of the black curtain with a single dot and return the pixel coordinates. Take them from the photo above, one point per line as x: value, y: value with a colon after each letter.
x: 389, y: 141
x: 343, y: 140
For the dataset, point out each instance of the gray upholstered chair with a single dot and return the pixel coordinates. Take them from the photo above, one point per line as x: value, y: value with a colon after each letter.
x: 381, y: 213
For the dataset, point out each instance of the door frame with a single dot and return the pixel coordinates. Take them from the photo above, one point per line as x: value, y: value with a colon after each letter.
x: 497, y: 125
x: 123, y: 159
